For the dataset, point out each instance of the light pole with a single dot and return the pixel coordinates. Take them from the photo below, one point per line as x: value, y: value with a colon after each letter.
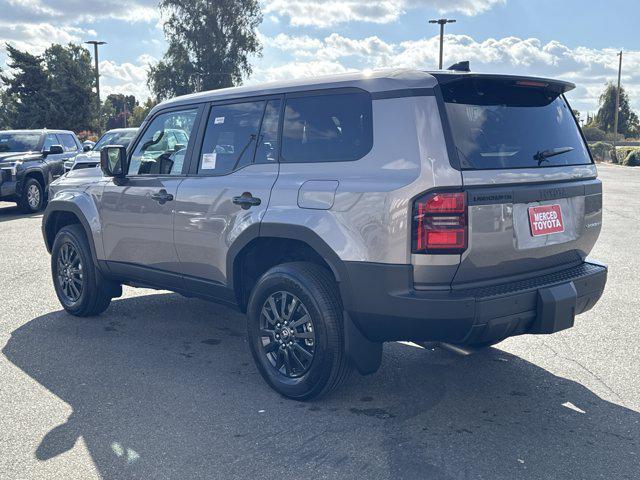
x: 95, y: 44
x: 615, y: 114
x: 442, y: 22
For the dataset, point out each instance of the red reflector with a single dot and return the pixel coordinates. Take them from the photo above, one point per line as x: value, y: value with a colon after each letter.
x: 446, y: 239
x: 440, y: 223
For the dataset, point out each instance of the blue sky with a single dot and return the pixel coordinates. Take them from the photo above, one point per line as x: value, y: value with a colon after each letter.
x: 569, y: 39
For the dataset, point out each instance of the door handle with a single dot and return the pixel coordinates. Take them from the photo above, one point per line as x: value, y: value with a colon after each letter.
x: 162, y: 197
x: 246, y: 201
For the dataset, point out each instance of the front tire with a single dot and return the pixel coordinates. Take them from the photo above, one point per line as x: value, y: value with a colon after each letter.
x: 32, y: 198
x: 295, y: 330
x: 80, y: 289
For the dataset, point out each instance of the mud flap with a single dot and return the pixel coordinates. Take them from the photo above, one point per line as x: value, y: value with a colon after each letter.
x: 556, y: 309
x: 365, y: 354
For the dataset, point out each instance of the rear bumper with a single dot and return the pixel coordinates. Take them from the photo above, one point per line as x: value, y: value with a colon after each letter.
x: 385, y: 307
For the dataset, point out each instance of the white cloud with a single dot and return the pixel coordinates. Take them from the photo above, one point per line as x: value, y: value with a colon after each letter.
x: 38, y: 37
x: 588, y: 68
x: 77, y: 11
x: 127, y: 78
x: 297, y: 70
x: 332, y: 12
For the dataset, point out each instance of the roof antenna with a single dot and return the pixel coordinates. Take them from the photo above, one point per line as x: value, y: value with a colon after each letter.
x: 460, y: 67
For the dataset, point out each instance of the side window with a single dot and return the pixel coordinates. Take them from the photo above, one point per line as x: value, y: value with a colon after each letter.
x: 68, y: 142
x: 230, y: 138
x: 50, y: 139
x: 267, y: 149
x: 327, y: 128
x: 158, y: 152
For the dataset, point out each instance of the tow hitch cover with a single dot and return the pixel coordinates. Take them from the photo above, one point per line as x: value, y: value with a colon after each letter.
x: 556, y: 308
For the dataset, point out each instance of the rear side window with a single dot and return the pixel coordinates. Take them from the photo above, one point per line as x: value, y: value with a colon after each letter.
x: 230, y: 139
x: 333, y: 127
x: 503, y: 124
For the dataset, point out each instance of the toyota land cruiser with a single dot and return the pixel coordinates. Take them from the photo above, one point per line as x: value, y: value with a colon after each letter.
x: 343, y: 212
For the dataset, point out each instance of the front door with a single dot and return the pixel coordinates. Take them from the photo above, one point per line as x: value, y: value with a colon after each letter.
x: 137, y: 212
x: 229, y: 188
x: 54, y: 161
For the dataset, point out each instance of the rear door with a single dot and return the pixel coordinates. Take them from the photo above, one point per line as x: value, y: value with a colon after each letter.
x: 229, y: 188
x: 534, y: 202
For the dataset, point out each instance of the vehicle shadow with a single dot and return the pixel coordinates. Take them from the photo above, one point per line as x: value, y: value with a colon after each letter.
x: 164, y: 387
x: 9, y: 211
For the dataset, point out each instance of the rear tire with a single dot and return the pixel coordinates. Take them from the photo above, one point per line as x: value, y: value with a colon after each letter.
x: 295, y: 308
x: 32, y: 197
x: 80, y: 288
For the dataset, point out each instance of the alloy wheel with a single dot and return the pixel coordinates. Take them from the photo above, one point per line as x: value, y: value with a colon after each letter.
x: 33, y: 196
x: 287, y: 334
x: 69, y: 272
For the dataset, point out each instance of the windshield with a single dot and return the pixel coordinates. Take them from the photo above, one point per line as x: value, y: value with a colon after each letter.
x: 502, y: 124
x: 115, y: 138
x: 18, y: 142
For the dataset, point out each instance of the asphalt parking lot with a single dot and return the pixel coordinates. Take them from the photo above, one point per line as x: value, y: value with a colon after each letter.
x: 164, y: 387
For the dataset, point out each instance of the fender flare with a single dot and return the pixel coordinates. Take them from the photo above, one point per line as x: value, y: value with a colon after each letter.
x: 56, y: 206
x: 290, y: 232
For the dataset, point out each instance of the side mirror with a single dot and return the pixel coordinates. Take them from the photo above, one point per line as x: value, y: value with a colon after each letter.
x: 113, y: 161
x: 86, y: 148
x: 54, y: 150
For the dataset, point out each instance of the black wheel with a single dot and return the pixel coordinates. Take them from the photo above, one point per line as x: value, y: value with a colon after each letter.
x: 295, y: 330
x: 32, y: 198
x: 78, y: 288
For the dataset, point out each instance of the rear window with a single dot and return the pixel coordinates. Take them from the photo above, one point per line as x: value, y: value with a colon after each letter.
x: 503, y: 124
x: 333, y: 127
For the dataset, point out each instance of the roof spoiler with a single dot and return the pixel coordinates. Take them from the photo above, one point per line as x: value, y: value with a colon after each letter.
x: 460, y: 66
x: 557, y: 86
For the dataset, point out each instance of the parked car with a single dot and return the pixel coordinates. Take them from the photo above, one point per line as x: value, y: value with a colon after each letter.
x: 346, y: 211
x: 29, y: 161
x: 90, y: 158
x: 87, y: 145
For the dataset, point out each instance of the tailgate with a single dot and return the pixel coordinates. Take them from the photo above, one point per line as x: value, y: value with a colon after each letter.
x: 517, y: 230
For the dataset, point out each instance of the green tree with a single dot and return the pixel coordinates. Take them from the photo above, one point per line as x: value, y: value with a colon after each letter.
x: 28, y: 89
x: 209, y: 45
x: 627, y: 118
x: 71, y: 81
x: 115, y: 107
x: 140, y: 112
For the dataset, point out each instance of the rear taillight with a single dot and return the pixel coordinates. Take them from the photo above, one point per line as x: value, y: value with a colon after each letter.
x: 440, y: 223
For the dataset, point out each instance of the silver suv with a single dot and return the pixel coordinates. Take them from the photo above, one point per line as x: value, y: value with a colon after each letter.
x: 343, y: 212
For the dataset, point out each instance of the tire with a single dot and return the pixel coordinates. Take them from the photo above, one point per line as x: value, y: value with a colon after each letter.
x: 71, y: 248
x: 323, y: 335
x: 32, y: 197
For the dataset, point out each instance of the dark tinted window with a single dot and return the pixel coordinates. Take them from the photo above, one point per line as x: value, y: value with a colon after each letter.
x: 18, y: 142
x: 500, y: 124
x: 68, y: 142
x: 327, y: 128
x: 267, y: 149
x: 159, y: 152
x: 230, y: 139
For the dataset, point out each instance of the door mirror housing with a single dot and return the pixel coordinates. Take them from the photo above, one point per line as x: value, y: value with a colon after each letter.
x: 113, y: 161
x: 86, y: 148
x: 54, y: 150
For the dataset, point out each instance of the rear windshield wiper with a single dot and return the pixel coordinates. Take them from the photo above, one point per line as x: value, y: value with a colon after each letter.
x: 541, y: 156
